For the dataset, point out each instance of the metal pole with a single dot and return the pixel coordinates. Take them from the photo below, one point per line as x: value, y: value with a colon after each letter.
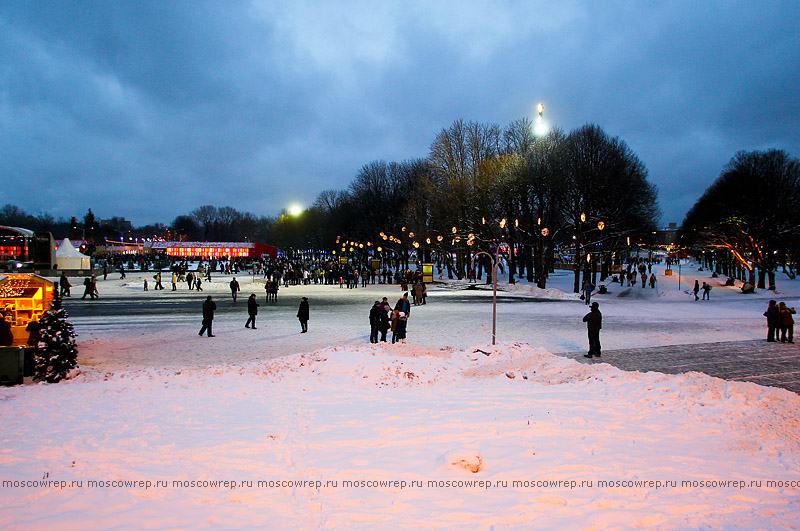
x: 494, y: 298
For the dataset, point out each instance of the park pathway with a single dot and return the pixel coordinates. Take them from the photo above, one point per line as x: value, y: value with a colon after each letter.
x: 772, y: 364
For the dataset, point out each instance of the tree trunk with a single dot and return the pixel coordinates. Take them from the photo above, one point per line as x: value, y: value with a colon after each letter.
x: 761, y: 275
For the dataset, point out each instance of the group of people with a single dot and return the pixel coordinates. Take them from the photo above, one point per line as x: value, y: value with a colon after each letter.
x: 382, y: 317
x: 779, y: 319
x: 706, y: 288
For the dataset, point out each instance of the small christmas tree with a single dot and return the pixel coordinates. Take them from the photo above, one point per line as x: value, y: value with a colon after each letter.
x: 56, y: 353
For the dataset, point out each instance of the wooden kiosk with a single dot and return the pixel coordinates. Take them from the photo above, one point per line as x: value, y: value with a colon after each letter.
x: 24, y: 297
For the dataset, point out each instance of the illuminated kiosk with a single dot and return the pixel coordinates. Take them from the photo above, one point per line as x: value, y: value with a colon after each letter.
x: 23, y: 248
x: 24, y: 297
x: 215, y: 250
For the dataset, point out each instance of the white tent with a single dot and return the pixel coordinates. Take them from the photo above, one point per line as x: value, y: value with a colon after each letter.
x: 68, y: 257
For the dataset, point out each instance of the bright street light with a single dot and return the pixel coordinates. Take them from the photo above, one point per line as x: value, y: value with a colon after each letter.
x: 540, y: 128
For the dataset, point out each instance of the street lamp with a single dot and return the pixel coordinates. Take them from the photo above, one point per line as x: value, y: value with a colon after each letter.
x: 540, y: 128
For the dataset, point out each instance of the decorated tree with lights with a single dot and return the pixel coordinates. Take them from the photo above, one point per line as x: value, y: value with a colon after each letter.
x: 56, y: 353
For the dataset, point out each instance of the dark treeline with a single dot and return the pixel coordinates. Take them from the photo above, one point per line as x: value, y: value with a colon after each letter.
x: 584, y: 194
x: 749, y: 217
x: 205, y: 223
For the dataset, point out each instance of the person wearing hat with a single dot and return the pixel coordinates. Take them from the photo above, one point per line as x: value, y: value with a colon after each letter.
x: 594, y: 322
x: 302, y: 315
x: 374, y: 321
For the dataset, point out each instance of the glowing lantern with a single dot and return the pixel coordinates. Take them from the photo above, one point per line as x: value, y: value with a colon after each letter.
x: 601, y: 225
x: 583, y: 216
x: 545, y: 231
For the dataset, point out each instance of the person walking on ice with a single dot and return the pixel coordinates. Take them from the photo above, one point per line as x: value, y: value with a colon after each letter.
x: 252, y: 311
x: 234, y: 288
x: 208, y: 316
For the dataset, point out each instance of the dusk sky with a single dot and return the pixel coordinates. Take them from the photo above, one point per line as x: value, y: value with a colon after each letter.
x: 147, y: 110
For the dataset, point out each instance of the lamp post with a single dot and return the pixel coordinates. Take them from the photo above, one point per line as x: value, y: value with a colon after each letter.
x: 494, y: 284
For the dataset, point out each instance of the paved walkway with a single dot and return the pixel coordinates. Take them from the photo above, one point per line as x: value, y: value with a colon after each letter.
x: 773, y: 364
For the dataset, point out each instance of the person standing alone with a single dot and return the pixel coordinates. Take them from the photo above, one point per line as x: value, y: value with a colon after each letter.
x: 208, y: 316
x: 594, y: 322
x: 252, y: 311
x: 302, y: 315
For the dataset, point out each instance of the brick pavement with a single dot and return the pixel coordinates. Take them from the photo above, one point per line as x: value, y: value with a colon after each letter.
x: 772, y: 364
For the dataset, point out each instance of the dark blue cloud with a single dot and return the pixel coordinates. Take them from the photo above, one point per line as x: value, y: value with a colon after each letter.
x: 149, y: 109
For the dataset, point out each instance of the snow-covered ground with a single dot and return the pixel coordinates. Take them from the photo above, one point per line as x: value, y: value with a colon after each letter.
x: 446, y: 431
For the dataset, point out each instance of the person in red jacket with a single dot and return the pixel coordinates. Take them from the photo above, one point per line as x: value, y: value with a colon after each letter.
x: 787, y: 323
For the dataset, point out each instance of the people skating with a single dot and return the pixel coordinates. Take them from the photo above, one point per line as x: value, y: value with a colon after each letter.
x: 706, y: 291
x: 209, y: 307
x: 89, y: 288
x: 252, y: 311
x: 594, y: 322
x: 174, y: 281
x: 64, y: 285
x: 786, y: 323
x: 374, y: 321
x: 105, y: 272
x: 773, y: 315
x: 145, y: 284
x: 121, y: 272
x: 158, y: 285
x: 653, y: 280
x: 198, y: 283
x: 190, y: 280
x: 696, y: 289
x: 234, y: 288
x: 302, y: 315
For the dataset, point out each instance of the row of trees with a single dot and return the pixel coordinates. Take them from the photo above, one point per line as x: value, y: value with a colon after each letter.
x: 584, y: 194
x: 750, y: 214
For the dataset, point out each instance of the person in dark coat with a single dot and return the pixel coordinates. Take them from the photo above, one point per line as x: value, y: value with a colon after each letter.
x: 786, y: 322
x: 773, y: 316
x: 302, y: 315
x: 252, y: 311
x: 209, y: 307
x: 64, y: 285
x: 374, y: 321
x: 403, y: 305
x: 696, y: 289
x: 234, y: 288
x: 594, y: 322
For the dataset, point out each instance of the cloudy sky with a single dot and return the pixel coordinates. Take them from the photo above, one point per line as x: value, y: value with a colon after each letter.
x: 147, y: 110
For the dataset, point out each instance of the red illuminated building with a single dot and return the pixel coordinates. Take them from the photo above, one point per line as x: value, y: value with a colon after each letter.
x: 218, y: 250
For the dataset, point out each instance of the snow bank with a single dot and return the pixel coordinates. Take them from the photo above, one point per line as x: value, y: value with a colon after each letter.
x: 389, y: 436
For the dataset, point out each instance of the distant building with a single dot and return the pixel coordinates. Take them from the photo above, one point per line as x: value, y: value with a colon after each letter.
x: 218, y: 250
x: 118, y: 224
x: 667, y: 236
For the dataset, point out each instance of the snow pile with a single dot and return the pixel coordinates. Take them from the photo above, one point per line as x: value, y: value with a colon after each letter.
x: 390, y: 436
x: 539, y: 293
